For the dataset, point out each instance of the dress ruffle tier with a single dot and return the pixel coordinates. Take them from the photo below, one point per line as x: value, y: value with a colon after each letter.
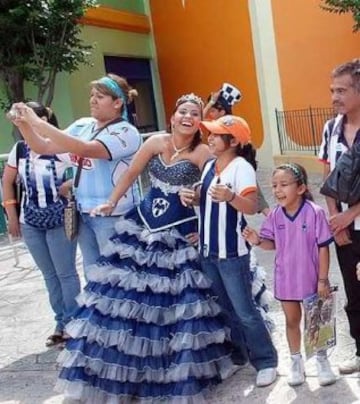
x: 148, y: 328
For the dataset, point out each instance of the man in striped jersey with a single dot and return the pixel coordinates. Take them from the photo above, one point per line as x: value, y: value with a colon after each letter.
x: 338, y: 136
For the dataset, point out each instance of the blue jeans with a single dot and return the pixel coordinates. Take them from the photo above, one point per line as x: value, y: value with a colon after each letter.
x: 55, y: 256
x: 231, y: 283
x: 94, y: 233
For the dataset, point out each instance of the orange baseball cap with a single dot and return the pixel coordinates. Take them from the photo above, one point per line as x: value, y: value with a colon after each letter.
x: 228, y: 124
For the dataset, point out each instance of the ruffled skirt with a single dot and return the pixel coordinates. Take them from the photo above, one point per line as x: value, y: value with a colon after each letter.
x: 261, y: 294
x: 148, y: 328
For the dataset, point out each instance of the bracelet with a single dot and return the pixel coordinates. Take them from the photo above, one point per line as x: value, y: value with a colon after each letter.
x: 9, y: 202
x: 323, y: 280
x: 111, y: 203
x: 232, y: 198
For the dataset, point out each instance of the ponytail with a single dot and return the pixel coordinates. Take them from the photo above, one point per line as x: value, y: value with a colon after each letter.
x: 248, y: 153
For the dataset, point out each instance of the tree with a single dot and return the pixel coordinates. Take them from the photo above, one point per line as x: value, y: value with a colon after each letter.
x: 39, y: 39
x: 345, y: 6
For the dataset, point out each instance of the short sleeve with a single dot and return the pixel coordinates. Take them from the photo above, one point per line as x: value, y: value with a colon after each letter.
x: 267, y: 228
x: 323, y: 231
x: 121, y: 140
x: 324, y: 147
x: 245, y: 178
x: 11, y: 162
x: 333, y: 128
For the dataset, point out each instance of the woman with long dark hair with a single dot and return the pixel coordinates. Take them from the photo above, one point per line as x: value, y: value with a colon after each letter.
x: 41, y: 222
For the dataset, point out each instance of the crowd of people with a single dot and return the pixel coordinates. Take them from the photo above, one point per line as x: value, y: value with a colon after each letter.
x: 172, y: 304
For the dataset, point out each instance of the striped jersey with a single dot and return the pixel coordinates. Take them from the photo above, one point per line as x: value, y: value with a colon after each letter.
x: 98, y: 176
x: 333, y: 145
x: 42, y: 180
x: 333, y: 141
x: 219, y: 223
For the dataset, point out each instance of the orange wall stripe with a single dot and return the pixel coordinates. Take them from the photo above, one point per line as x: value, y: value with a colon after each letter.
x: 107, y: 17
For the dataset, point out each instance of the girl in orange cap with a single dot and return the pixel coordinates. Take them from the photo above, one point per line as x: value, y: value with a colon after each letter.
x: 229, y: 191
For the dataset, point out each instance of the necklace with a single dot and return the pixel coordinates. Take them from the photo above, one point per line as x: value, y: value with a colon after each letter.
x: 177, y: 151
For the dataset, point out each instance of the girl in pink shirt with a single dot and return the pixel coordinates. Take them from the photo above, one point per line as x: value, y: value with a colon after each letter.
x: 298, y: 230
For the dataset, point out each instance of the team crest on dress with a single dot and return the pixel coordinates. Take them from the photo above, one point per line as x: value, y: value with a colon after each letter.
x: 159, y: 206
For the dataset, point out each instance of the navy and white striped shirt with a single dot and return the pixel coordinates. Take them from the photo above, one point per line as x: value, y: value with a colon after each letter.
x: 220, y: 224
x: 333, y: 145
x: 333, y: 141
x: 42, y: 181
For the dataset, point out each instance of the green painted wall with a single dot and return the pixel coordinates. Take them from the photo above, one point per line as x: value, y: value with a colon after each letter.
x: 107, y: 42
x: 61, y: 107
x: 6, y: 140
x: 135, y: 6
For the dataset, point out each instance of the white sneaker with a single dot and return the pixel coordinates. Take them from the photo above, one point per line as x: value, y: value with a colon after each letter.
x: 325, y: 374
x: 297, y: 371
x: 350, y: 366
x: 265, y: 377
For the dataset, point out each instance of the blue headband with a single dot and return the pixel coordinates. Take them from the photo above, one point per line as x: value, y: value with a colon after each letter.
x: 114, y: 87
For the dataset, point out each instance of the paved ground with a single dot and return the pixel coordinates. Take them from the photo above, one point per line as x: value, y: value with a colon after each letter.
x: 28, y: 370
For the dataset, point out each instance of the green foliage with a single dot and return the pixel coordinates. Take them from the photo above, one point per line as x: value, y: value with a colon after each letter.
x: 40, y: 38
x: 344, y: 6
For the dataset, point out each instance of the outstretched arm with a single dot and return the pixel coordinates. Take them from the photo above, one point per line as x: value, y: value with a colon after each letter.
x: 151, y: 147
x: 214, y: 97
x: 37, y: 143
x: 253, y: 238
x: 30, y: 125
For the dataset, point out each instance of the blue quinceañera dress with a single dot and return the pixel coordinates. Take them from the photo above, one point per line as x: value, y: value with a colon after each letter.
x: 148, y: 328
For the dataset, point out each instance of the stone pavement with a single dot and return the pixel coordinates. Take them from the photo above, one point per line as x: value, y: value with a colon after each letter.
x: 28, y: 369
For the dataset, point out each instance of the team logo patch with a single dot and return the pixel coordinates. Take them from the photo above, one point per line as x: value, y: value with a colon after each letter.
x: 159, y: 206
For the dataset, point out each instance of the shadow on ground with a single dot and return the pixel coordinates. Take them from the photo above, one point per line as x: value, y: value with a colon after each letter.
x: 20, y: 379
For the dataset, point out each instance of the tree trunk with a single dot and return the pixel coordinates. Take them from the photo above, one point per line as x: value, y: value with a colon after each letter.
x: 14, y: 82
x: 14, y: 85
x: 51, y: 88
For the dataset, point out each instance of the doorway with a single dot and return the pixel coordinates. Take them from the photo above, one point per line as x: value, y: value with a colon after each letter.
x: 137, y: 71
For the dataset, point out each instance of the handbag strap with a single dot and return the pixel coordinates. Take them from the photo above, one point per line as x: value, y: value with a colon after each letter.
x: 81, y: 159
x: 78, y: 172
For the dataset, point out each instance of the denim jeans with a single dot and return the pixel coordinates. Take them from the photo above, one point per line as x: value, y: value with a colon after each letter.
x: 94, y: 233
x: 231, y: 283
x: 348, y: 256
x: 55, y: 256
